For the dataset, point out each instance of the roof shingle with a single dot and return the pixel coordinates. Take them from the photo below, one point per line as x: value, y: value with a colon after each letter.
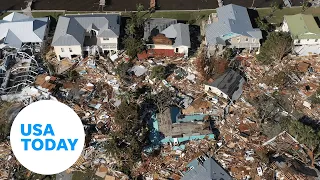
x: 71, y: 29
x: 303, y: 26
x: 233, y: 20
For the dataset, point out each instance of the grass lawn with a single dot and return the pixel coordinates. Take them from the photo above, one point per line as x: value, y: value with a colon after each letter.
x: 55, y: 15
x: 278, y: 14
x: 183, y: 15
x: 197, y: 16
x: 188, y: 16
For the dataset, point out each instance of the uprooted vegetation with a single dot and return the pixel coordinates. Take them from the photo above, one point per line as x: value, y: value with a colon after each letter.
x: 210, y: 68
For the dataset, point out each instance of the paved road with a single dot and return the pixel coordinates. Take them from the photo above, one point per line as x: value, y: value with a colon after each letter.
x: 122, y: 5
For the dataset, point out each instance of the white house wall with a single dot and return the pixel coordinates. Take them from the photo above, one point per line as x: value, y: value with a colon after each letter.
x: 285, y: 27
x: 307, y: 42
x: 110, y: 40
x: 76, y: 50
x: 216, y: 91
x: 183, y: 49
x: 161, y: 46
x: 306, y: 50
x: 109, y: 44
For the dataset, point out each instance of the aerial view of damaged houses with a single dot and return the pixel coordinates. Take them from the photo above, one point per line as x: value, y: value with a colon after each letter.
x: 169, y: 89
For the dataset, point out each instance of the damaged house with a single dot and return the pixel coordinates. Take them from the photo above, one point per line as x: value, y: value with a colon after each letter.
x: 173, y: 127
x: 205, y: 168
x: 228, y: 86
x: 231, y: 27
x: 305, y: 32
x: 18, y: 30
x: 166, y: 37
x: 17, y: 70
x: 81, y: 35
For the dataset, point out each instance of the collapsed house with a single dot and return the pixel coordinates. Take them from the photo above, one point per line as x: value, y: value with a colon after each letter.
x: 231, y: 27
x: 82, y: 35
x: 228, y: 86
x: 18, y: 30
x: 17, y: 70
x: 305, y: 32
x: 287, y: 155
x: 166, y: 37
x: 172, y: 127
x: 205, y: 168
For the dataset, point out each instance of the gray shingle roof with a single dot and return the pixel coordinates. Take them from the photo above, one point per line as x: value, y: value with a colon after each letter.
x: 71, y: 29
x: 17, y: 28
x: 229, y: 83
x: 13, y: 40
x: 231, y: 19
x: 208, y: 170
x: 15, y: 17
x: 180, y: 33
x: 154, y: 26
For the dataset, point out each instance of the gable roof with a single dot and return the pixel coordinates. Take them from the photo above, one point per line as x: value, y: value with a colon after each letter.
x: 303, y: 26
x: 17, y: 28
x: 15, y: 17
x: 229, y: 82
x: 154, y: 26
x: 71, y: 29
x: 205, y: 170
x: 234, y: 20
x: 180, y: 33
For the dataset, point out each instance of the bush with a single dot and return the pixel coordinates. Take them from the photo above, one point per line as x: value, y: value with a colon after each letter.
x: 158, y: 72
x: 277, y: 45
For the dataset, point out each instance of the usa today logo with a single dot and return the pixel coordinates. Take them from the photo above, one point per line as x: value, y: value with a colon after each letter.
x: 47, y: 137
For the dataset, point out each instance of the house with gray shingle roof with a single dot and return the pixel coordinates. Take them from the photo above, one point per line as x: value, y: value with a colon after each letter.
x: 167, y: 35
x: 205, y: 168
x: 231, y: 27
x: 18, y: 29
x: 77, y: 35
x: 229, y: 85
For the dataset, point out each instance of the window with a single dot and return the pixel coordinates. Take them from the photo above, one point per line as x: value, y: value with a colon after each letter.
x: 177, y: 50
x: 62, y: 50
x: 307, y: 39
x: 247, y: 39
x: 105, y: 39
x: 93, y: 33
x: 70, y: 50
x: 298, y: 41
x: 253, y: 40
x: 316, y: 40
x: 238, y: 38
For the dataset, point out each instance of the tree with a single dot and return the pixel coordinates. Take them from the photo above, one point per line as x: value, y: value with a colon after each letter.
x: 305, y: 4
x: 133, y: 46
x: 126, y: 144
x: 158, y: 72
x: 277, y: 45
x: 263, y: 24
x: 274, y: 6
x: 308, y: 136
x: 122, y: 70
x: 228, y: 53
x: 73, y: 75
x: 133, y: 42
x: 315, y: 98
x: 163, y: 100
